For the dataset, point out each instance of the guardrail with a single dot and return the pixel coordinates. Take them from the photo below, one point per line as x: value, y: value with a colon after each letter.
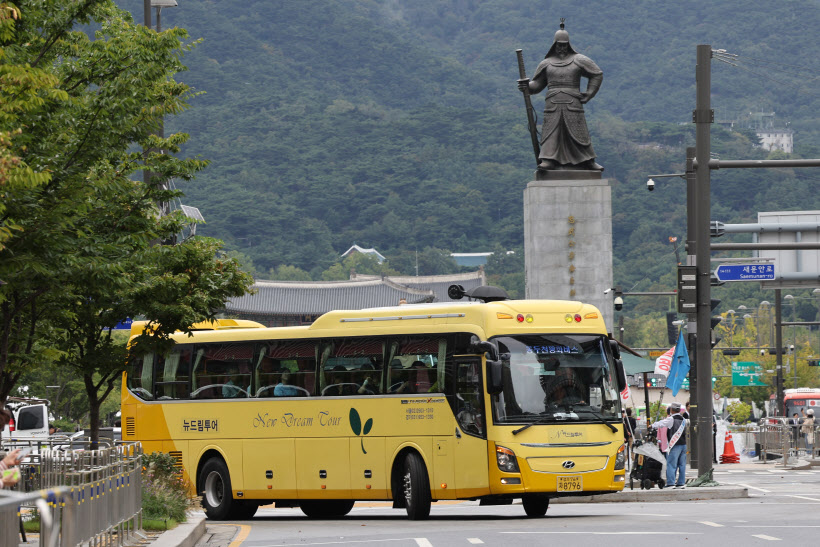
x: 83, y: 497
x: 787, y: 441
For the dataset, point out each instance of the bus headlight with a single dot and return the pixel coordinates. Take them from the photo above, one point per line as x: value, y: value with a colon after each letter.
x: 620, y: 458
x: 506, y: 460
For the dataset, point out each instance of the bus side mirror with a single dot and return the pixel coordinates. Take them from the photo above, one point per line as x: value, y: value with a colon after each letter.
x: 485, y: 347
x: 616, y: 349
x: 495, y: 381
x: 620, y: 374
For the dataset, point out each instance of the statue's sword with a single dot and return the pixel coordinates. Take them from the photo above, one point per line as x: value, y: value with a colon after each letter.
x: 528, y: 103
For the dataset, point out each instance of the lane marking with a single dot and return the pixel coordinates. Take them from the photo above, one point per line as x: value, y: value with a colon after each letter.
x: 779, y: 526
x: 755, y: 488
x: 763, y: 536
x: 244, y: 531
x: 352, y: 541
x: 626, y: 533
x: 474, y: 541
x: 423, y: 542
x: 709, y: 523
x: 804, y: 498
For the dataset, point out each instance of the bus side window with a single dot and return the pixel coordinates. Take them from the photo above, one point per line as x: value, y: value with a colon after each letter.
x: 172, y: 374
x: 297, y: 358
x: 353, y: 366
x: 141, y: 377
x: 223, y: 371
x: 417, y: 365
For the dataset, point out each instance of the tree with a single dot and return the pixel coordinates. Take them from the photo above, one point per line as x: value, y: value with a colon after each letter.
x: 739, y: 411
x: 78, y: 252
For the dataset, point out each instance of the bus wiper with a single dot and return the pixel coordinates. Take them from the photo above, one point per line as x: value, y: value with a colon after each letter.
x: 601, y: 419
x: 542, y: 421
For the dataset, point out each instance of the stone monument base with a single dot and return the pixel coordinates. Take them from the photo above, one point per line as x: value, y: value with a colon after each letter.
x: 568, y: 238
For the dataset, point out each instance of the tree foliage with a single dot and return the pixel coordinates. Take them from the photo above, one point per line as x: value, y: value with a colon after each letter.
x: 78, y: 232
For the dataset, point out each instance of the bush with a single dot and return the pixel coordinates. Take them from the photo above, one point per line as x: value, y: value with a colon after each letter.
x: 164, y: 492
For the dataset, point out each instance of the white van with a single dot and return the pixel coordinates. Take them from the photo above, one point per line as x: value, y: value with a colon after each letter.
x: 30, y: 420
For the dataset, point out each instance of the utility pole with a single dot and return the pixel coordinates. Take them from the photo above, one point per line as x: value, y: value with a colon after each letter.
x: 691, y: 318
x: 703, y: 116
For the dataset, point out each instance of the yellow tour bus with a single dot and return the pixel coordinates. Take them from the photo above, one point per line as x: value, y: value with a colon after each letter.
x: 484, y: 400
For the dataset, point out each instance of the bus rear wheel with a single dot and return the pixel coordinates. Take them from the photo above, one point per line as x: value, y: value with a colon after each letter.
x: 535, y: 505
x: 215, y: 482
x: 317, y: 509
x: 416, y: 488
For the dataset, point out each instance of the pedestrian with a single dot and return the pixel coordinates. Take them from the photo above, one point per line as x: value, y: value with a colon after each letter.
x: 663, y: 439
x: 685, y: 411
x: 794, y: 422
x: 808, y: 431
x: 676, y: 459
x: 630, y: 425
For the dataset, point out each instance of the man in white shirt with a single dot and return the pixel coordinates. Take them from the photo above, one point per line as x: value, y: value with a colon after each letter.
x: 676, y: 459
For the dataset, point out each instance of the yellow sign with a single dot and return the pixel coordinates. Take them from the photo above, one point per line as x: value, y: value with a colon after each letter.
x: 656, y: 353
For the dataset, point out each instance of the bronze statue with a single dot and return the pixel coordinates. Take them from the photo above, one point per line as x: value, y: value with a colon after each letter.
x: 565, y: 142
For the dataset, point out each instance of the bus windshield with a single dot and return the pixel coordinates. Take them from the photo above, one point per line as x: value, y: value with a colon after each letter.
x: 555, y: 377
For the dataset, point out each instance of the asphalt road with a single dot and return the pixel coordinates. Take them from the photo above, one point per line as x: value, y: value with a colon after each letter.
x: 783, y: 506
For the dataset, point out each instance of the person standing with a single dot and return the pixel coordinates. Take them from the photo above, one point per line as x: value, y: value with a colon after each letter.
x: 663, y: 439
x: 630, y: 424
x: 808, y: 431
x: 676, y: 459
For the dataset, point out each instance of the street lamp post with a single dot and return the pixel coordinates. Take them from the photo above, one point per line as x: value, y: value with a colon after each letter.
x: 158, y: 5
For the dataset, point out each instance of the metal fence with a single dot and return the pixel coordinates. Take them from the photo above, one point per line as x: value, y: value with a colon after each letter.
x: 83, y: 497
x: 786, y: 441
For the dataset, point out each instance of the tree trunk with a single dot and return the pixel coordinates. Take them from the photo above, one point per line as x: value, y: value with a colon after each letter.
x: 94, y: 404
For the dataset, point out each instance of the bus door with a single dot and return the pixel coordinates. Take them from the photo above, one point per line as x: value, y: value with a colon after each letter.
x: 471, y: 468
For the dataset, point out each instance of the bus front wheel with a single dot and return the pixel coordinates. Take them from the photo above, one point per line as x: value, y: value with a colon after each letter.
x: 317, y: 509
x: 535, y: 505
x: 416, y: 488
x: 215, y: 482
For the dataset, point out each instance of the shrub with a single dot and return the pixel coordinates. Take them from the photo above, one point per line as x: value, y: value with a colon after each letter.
x: 164, y: 492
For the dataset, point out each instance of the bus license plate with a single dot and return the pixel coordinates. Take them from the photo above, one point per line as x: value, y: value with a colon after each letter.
x: 572, y: 483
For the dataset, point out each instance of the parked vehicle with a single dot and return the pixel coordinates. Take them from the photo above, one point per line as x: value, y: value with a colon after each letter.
x: 30, y: 419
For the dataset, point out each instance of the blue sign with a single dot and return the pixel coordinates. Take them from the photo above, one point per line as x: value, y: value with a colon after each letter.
x: 745, y: 272
x: 123, y: 325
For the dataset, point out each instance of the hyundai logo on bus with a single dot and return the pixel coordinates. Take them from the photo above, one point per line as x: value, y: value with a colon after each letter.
x: 569, y: 464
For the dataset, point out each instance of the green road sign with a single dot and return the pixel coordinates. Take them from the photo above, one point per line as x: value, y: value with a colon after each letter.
x: 747, y: 374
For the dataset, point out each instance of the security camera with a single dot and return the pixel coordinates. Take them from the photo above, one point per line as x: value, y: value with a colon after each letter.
x: 791, y: 347
x: 650, y: 185
x: 763, y: 352
x: 619, y: 303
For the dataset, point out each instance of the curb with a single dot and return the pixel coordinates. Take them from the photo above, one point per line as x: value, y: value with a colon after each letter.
x: 184, y: 535
x: 666, y: 494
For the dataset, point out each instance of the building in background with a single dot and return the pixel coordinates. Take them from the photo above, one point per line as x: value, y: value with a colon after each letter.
x: 283, y: 303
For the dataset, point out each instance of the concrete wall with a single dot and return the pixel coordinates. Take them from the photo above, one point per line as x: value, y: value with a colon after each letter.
x: 568, y: 241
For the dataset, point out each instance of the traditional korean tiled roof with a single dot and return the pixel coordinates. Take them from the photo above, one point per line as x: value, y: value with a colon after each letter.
x: 363, y: 291
x: 436, y: 283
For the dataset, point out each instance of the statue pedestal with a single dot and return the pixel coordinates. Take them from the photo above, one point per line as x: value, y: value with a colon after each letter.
x: 568, y: 238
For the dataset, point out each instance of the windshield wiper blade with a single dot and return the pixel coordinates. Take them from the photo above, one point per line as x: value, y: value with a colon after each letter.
x: 542, y: 421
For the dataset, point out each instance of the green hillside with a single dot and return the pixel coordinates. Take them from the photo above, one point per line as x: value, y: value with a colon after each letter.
x: 396, y: 124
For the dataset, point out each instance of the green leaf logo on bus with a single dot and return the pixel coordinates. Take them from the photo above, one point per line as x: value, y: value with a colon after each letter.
x: 356, y: 426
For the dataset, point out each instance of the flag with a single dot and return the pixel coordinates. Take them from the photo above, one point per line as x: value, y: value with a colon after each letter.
x: 664, y: 362
x: 680, y: 366
x: 625, y: 395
